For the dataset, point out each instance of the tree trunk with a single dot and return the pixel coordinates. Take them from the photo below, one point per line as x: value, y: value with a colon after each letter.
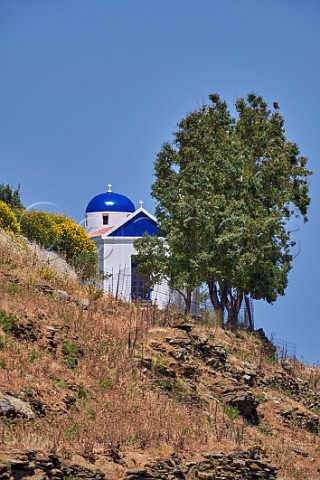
x: 218, y: 304
x: 249, y: 312
x: 188, y: 301
x: 233, y: 305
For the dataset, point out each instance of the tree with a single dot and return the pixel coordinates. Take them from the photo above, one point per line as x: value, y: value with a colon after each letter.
x: 225, y: 190
x: 10, y: 196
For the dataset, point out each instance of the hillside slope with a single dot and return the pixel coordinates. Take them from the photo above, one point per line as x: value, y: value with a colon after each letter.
x: 92, y: 388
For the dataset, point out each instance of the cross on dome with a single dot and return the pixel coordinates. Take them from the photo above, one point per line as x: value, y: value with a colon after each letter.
x: 141, y: 203
x: 109, y: 187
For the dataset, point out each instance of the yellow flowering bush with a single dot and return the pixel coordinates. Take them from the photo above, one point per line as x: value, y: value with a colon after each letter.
x: 63, y: 235
x: 8, y: 219
x: 38, y: 227
x: 71, y: 238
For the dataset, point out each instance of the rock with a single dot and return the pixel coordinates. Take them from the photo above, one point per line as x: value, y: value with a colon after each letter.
x: 25, y: 329
x: 55, y: 472
x: 35, y: 403
x: 301, y: 452
x: 181, y: 340
x: 212, y: 354
x: 70, y: 401
x: 310, y: 423
x: 254, y: 452
x: 145, y: 362
x: 236, y: 466
x: 61, y: 295
x: 187, y: 370
x: 301, y: 419
x: 288, y: 368
x: 270, y: 349
x: 181, y: 324
x: 179, y: 354
x: 246, y: 404
x: 14, y: 407
x: 85, y: 303
x: 248, y: 379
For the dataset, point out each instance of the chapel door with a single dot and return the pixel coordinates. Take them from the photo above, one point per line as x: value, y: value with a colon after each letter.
x: 140, y: 288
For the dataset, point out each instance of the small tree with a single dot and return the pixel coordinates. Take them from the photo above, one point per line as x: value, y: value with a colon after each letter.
x: 10, y: 195
x: 225, y: 190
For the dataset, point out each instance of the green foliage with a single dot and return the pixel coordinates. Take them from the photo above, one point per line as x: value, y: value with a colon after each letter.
x: 8, y: 219
x: 232, y: 412
x: 261, y: 396
x: 10, y: 195
x: 71, y: 354
x: 96, y: 294
x: 107, y: 381
x: 12, y: 288
x: 72, y: 239
x: 7, y: 321
x: 72, y: 432
x: 225, y: 190
x: 2, y: 343
x: 85, y: 264
x: 63, y: 235
x: 265, y: 430
x: 34, y: 355
x: 91, y: 412
x: 38, y: 227
x: 81, y: 392
x: 161, y: 366
x: 168, y: 386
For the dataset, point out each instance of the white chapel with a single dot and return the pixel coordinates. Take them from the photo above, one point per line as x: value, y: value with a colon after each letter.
x: 113, y: 223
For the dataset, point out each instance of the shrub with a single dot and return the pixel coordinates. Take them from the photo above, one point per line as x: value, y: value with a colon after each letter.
x: 7, y: 321
x: 81, y: 392
x: 38, y: 227
x: 8, y: 219
x: 72, y: 239
x: 232, y: 412
x: 63, y: 235
x: 74, y: 243
x: 71, y: 354
x: 86, y: 265
x: 72, y: 433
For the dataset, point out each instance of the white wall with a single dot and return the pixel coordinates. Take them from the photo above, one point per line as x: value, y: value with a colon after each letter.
x: 94, y: 220
x: 115, y: 259
x: 117, y: 253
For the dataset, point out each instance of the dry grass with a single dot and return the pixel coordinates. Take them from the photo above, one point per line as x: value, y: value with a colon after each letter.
x: 114, y: 406
x: 117, y: 406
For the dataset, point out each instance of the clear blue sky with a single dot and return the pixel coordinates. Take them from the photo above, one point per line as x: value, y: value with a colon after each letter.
x: 90, y: 89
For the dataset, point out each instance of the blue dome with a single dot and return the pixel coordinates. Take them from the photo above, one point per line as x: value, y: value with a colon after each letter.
x: 110, y: 202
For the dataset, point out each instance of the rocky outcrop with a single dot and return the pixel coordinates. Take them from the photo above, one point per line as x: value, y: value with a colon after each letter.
x: 305, y: 420
x: 11, y: 406
x: 31, y: 465
x: 250, y: 464
x: 184, y: 348
x: 219, y: 466
x: 246, y: 404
